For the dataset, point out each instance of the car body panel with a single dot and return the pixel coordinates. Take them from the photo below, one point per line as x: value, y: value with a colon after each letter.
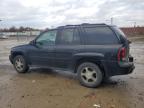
x: 65, y: 57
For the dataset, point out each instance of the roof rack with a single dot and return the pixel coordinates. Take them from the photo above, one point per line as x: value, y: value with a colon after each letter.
x: 73, y: 25
x: 85, y: 24
x: 93, y: 24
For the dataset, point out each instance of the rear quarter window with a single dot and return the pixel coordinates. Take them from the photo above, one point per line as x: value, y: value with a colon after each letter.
x: 119, y: 32
x: 100, y: 35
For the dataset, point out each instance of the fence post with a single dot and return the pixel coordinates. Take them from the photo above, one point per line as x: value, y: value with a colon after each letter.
x: 17, y: 36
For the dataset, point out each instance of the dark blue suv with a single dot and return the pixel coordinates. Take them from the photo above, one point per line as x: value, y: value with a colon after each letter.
x: 93, y: 51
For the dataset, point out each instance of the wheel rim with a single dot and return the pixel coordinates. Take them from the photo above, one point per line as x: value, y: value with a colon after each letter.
x: 19, y: 64
x: 88, y: 75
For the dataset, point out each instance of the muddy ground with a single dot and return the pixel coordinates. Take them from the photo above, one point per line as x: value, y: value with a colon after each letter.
x: 50, y: 89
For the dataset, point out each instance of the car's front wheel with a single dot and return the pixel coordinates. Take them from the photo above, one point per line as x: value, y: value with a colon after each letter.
x: 20, y: 64
x: 89, y: 74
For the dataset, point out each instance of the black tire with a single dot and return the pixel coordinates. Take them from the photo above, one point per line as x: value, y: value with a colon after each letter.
x: 89, y: 74
x: 25, y: 66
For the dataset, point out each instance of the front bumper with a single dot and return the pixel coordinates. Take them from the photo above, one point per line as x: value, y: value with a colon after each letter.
x: 10, y: 58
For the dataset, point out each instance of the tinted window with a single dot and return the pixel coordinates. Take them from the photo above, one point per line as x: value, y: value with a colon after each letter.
x: 76, y: 37
x: 69, y: 36
x: 47, y: 38
x: 100, y: 35
x: 119, y: 31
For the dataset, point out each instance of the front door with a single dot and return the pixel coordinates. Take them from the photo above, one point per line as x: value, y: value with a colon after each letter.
x: 43, y: 52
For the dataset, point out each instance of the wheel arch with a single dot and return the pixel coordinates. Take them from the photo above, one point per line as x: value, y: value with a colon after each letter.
x: 14, y: 54
x: 94, y: 60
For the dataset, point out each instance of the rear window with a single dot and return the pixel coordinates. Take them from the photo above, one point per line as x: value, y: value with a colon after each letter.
x: 100, y: 35
x: 119, y: 31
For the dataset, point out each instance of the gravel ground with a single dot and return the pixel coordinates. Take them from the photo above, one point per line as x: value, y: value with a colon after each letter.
x: 41, y: 88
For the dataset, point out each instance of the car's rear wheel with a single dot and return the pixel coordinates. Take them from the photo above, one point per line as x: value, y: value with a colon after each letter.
x: 89, y: 74
x: 20, y: 64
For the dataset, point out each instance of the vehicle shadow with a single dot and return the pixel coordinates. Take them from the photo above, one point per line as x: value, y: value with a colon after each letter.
x: 36, y: 73
x: 46, y: 71
x: 73, y: 76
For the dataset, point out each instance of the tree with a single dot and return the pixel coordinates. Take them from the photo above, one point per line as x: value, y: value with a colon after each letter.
x: 21, y: 29
x: 12, y: 29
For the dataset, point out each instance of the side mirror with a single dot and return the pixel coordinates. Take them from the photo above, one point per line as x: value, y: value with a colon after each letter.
x: 32, y: 42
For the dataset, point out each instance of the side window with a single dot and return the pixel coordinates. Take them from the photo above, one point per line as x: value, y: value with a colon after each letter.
x: 47, y: 38
x: 100, y: 35
x: 76, y: 37
x: 69, y: 36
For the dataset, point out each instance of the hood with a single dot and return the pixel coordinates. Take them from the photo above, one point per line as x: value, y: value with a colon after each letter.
x: 20, y: 47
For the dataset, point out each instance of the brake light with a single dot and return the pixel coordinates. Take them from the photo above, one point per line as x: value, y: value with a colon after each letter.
x: 122, y: 54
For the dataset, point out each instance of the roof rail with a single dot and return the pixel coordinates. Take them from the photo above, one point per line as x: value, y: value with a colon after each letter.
x: 93, y: 24
x: 73, y: 25
x: 83, y: 24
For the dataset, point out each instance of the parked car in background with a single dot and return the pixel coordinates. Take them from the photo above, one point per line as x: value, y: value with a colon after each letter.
x: 3, y: 36
x: 93, y: 51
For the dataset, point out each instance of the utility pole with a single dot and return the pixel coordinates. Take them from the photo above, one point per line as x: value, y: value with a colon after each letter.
x: 135, y: 29
x: 111, y: 20
x: 0, y: 20
x: 134, y: 24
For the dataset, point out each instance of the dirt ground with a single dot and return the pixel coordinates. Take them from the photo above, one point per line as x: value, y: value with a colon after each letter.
x: 41, y: 88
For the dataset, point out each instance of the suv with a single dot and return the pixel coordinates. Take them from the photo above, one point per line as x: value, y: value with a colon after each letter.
x: 93, y: 51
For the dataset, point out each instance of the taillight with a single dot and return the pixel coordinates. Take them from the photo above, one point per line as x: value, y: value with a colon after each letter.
x: 122, y: 54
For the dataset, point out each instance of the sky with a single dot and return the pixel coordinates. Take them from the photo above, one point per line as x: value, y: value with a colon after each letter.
x: 53, y: 13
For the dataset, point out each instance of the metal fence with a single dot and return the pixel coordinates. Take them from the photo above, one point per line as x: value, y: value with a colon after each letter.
x: 21, y: 36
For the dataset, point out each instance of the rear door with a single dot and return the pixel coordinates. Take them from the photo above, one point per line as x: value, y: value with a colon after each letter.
x: 67, y: 44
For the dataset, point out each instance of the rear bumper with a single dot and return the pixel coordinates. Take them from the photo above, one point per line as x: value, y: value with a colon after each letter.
x: 125, y: 68
x: 116, y: 68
